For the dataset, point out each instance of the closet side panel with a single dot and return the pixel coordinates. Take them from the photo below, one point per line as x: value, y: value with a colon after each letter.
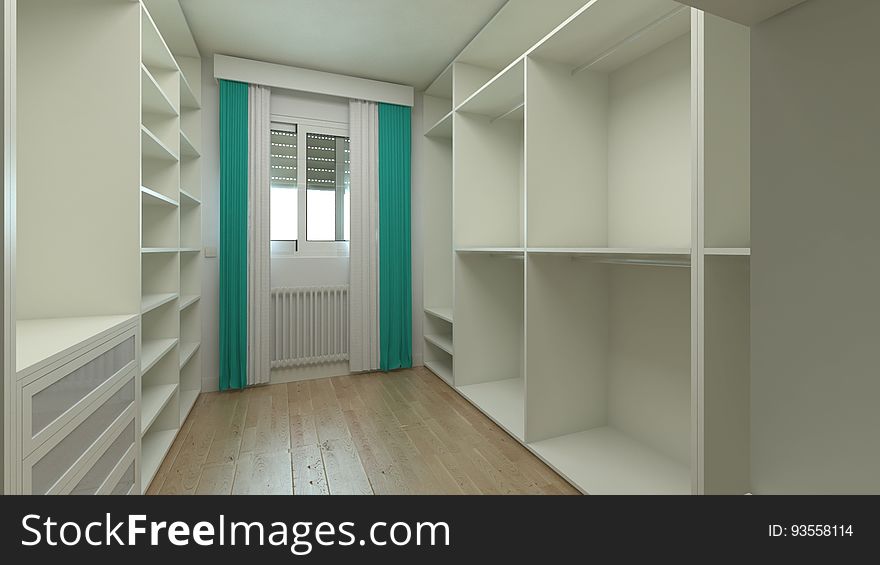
x: 815, y: 271
x: 78, y: 158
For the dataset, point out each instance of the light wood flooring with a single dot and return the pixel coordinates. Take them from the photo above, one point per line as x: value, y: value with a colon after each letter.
x: 405, y: 432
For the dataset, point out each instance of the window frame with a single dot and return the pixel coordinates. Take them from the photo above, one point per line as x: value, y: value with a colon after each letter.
x: 302, y: 247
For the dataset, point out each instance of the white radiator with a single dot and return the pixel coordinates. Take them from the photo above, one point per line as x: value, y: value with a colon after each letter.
x: 311, y: 325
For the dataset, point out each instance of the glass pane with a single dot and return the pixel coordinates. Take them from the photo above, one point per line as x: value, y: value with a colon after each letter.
x: 321, y: 210
x: 284, y: 219
x: 52, y: 466
x: 92, y: 481
x: 327, y: 185
x: 284, y: 207
x: 56, y: 399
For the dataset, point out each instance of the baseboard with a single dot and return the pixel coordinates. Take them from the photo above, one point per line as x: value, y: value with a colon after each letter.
x: 294, y: 374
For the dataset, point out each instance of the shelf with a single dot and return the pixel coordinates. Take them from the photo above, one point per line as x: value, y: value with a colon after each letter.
x: 444, y: 342
x: 187, y: 97
x: 187, y: 350
x: 153, y: 148
x: 153, y: 98
x: 442, y: 313
x: 186, y: 146
x: 152, y: 301
x: 40, y: 342
x: 729, y: 251
x: 153, y: 400
x: 187, y: 198
x: 501, y: 97
x: 146, y: 250
x: 442, y: 369
x: 492, y: 250
x: 187, y: 300
x: 501, y: 400
x: 442, y: 129
x: 190, y: 249
x: 153, y: 198
x: 606, y: 461
x: 154, y: 447
x: 187, y: 401
x: 153, y: 350
x: 154, y: 51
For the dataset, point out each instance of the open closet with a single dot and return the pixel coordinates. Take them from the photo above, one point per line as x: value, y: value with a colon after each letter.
x: 587, y: 229
x: 107, y: 243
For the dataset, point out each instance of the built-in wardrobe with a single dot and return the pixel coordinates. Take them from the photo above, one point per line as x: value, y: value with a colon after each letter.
x: 586, y: 240
x: 106, y: 252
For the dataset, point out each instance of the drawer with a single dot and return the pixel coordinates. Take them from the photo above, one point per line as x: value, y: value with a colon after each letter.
x: 49, y: 468
x: 126, y: 482
x: 53, y: 400
x: 108, y: 464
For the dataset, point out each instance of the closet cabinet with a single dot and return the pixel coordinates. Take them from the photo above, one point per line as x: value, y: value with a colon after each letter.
x: 107, y: 244
x: 588, y: 199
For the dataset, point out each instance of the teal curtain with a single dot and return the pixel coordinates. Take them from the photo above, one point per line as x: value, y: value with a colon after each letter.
x: 233, y: 233
x: 395, y: 261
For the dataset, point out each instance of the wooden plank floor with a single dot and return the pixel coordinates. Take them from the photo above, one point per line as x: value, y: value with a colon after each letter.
x: 405, y: 432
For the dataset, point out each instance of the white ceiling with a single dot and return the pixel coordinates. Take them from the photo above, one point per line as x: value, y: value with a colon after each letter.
x: 747, y: 12
x: 401, y: 41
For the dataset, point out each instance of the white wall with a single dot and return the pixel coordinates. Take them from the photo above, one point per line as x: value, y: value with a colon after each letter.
x: 209, y: 303
x: 815, y: 234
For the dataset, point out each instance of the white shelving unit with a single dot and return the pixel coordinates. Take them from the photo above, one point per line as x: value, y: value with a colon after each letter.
x: 171, y: 230
x: 601, y: 304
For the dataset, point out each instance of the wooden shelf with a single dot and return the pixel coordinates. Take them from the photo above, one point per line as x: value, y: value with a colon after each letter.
x: 154, y: 447
x: 152, y: 301
x: 606, y: 461
x: 188, y: 98
x: 442, y: 129
x: 442, y: 369
x: 729, y: 251
x: 444, y: 342
x: 186, y: 146
x: 154, y: 51
x: 190, y: 249
x: 153, y: 400
x: 443, y: 313
x: 153, y: 350
x: 187, y: 300
x: 146, y: 250
x: 153, y: 198
x: 40, y: 342
x: 187, y: 198
x: 502, y: 401
x: 153, y: 98
x: 187, y: 350
x: 501, y: 97
x: 153, y: 148
x: 187, y: 401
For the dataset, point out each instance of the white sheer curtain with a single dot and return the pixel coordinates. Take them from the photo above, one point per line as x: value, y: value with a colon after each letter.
x: 364, y: 248
x: 258, y: 258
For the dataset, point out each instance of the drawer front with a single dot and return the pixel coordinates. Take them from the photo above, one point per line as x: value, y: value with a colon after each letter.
x: 126, y: 483
x: 63, y: 456
x: 53, y: 400
x: 117, y: 454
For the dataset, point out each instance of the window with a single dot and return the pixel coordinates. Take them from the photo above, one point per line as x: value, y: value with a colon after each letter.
x: 328, y: 179
x: 284, y: 197
x: 310, y: 213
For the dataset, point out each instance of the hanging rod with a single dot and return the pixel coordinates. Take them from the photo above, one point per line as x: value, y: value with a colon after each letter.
x: 507, y: 113
x: 630, y: 38
x: 646, y: 262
